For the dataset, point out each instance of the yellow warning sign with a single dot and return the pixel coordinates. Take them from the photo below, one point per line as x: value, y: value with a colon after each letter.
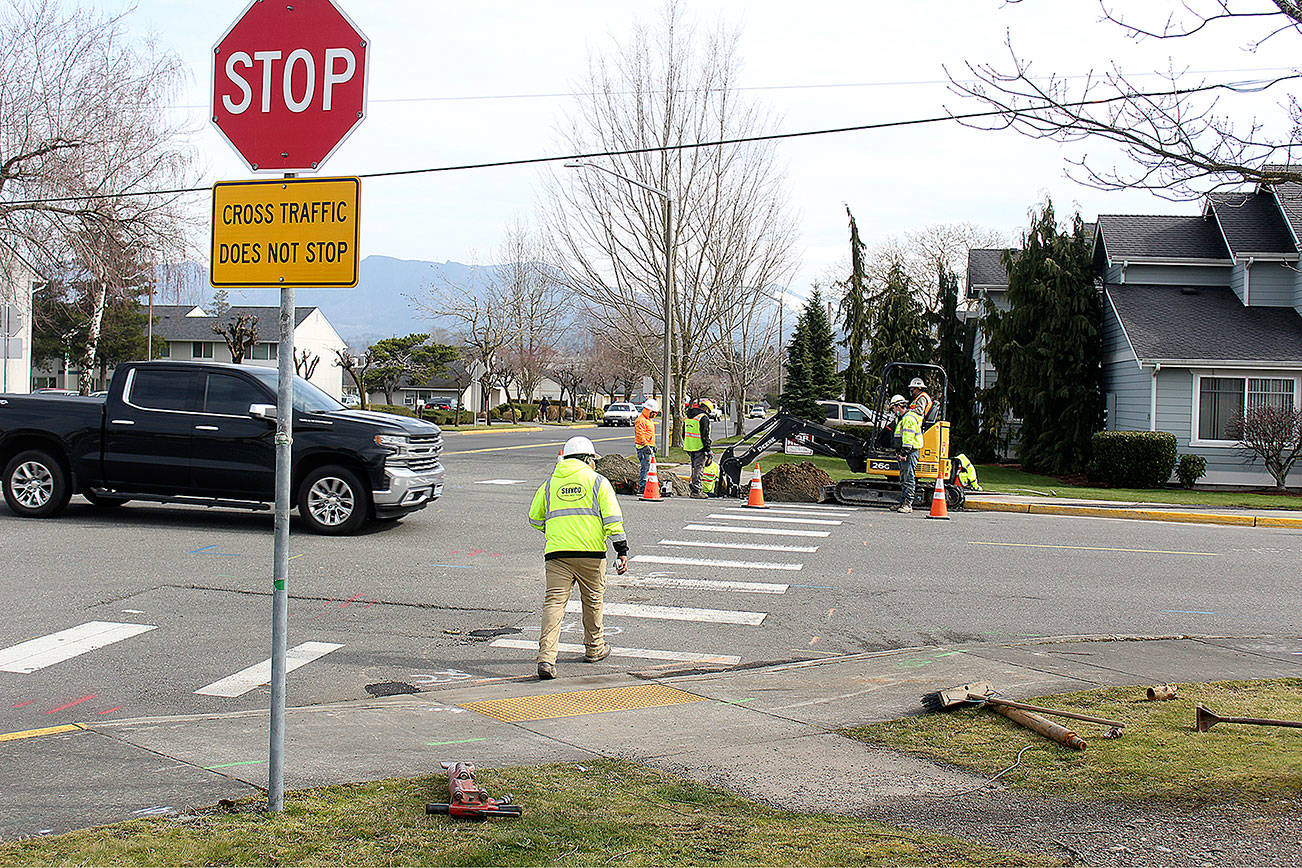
x: 289, y: 232
x: 550, y: 706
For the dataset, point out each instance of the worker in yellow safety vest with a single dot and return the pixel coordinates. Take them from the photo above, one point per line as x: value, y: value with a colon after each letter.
x: 577, y: 511
x: 908, y: 440
x: 967, y: 475
x: 696, y: 441
x: 709, y: 477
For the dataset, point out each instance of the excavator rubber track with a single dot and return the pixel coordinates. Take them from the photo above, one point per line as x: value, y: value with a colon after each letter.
x: 870, y: 492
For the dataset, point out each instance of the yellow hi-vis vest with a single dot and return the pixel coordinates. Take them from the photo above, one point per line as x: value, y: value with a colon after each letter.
x: 967, y: 475
x: 577, y: 510
x: 909, y: 430
x: 692, y: 441
x: 709, y: 476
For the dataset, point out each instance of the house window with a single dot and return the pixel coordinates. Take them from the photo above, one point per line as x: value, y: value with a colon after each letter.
x: 1221, y: 400
x: 201, y: 350
x: 263, y: 352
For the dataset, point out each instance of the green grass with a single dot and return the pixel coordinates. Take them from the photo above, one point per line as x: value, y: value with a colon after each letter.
x: 1160, y: 756
x: 612, y: 813
x: 1015, y: 481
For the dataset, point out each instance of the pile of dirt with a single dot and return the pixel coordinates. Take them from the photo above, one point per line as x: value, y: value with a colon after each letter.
x: 795, y: 483
x: 623, y: 473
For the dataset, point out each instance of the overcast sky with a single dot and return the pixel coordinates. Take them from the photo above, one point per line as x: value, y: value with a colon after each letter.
x: 459, y: 82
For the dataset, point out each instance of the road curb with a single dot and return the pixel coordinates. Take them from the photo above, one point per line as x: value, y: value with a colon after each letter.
x: 508, y: 428
x: 1135, y: 514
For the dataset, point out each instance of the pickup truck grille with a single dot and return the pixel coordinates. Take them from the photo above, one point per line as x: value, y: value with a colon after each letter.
x: 424, y: 454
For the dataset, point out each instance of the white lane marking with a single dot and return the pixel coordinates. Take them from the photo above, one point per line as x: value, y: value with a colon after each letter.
x: 27, y: 657
x: 500, y: 482
x: 260, y: 673
x: 758, y: 547
x: 783, y: 520
x: 770, y: 531
x: 771, y: 510
x: 707, y: 562
x: 646, y: 654
x: 674, y: 613
x: 696, y: 584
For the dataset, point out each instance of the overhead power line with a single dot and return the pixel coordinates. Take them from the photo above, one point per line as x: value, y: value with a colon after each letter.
x: 1238, y: 87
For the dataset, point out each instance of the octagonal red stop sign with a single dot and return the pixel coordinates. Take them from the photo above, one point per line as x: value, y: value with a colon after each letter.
x: 289, y: 83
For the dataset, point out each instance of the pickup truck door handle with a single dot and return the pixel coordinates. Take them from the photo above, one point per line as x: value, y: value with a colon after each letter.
x: 121, y: 422
x: 206, y: 428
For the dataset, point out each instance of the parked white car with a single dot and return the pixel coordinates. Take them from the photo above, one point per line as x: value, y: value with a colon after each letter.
x: 847, y: 413
x: 620, y: 414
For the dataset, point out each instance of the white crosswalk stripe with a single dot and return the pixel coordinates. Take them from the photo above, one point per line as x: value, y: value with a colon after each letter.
x: 820, y: 507
x: 774, y: 518
x: 260, y: 673
x: 696, y: 584
x: 771, y: 510
x: 644, y: 653
x: 748, y: 546
x: 27, y: 657
x: 708, y: 562
x: 768, y: 531
x: 674, y: 613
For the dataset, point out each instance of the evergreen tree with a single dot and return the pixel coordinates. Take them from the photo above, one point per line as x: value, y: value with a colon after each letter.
x: 955, y: 339
x: 798, y: 390
x: 220, y: 303
x: 854, y: 310
x: 900, y: 331
x: 1048, y: 346
x: 825, y: 383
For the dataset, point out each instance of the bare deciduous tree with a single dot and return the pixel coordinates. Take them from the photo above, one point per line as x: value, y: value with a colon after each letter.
x: 240, y: 334
x: 85, y: 132
x: 1272, y: 433
x: 305, y: 362
x: 480, y: 311
x: 743, y: 350
x: 535, y: 309
x: 1181, y: 134
x: 917, y: 252
x: 662, y: 88
x: 356, y: 367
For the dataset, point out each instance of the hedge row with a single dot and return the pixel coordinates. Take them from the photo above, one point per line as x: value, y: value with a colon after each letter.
x: 1132, y: 459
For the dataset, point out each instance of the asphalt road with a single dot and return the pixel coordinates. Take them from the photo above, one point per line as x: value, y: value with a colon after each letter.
x: 450, y: 594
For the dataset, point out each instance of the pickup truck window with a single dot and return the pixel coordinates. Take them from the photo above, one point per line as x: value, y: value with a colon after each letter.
x: 166, y: 390
x: 307, y: 397
x: 228, y: 395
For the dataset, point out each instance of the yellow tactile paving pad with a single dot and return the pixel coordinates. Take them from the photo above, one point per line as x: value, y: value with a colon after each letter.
x: 553, y: 705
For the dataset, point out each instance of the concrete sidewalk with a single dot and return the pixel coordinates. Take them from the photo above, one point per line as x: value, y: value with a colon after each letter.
x: 989, y: 501
x: 769, y: 733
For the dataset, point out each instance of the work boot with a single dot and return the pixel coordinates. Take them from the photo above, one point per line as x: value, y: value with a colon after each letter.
x: 699, y: 496
x: 599, y: 656
x: 546, y: 671
x: 906, y: 508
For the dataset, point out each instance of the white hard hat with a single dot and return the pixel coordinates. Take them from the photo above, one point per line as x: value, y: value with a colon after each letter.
x: 898, y: 399
x: 651, y: 404
x: 578, y: 446
x: 917, y: 383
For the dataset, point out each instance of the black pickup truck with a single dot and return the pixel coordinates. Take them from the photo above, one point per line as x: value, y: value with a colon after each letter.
x: 204, y: 433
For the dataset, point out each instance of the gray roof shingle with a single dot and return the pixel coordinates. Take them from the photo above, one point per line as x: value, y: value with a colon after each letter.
x: 985, y: 267
x: 1289, y: 196
x: 1204, y: 324
x: 1154, y: 236
x: 172, y: 324
x: 1252, y: 223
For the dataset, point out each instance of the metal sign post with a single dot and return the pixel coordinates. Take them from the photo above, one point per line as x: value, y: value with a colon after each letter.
x: 280, y: 548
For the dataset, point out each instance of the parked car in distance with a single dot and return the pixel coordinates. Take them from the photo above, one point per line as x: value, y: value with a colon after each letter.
x: 64, y: 392
x: 439, y: 404
x: 847, y: 413
x: 620, y: 414
x: 757, y: 411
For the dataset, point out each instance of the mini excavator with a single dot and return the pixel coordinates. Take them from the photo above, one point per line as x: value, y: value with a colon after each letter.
x: 875, y: 456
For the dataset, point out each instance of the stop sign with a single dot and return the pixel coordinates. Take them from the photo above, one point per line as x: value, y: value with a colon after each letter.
x: 289, y: 83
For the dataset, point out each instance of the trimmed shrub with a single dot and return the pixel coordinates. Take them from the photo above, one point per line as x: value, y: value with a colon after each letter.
x: 394, y: 409
x: 1132, y: 459
x: 523, y: 412
x: 450, y: 417
x: 1190, y: 469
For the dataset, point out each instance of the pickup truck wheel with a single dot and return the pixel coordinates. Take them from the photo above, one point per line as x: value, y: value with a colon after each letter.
x: 103, y: 501
x: 333, y: 501
x: 36, y: 485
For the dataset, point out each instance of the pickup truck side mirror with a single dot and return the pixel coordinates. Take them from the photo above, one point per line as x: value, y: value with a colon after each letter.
x: 263, y: 411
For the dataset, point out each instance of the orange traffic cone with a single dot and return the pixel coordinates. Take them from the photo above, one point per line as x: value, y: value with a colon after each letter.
x: 652, y: 490
x: 756, y: 499
x: 938, y: 508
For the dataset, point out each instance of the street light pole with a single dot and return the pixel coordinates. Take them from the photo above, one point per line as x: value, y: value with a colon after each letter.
x: 669, y: 290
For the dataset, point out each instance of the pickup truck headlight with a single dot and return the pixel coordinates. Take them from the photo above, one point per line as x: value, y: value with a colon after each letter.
x: 399, y: 445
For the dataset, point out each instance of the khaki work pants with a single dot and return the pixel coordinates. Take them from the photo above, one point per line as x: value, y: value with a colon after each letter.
x: 562, y: 573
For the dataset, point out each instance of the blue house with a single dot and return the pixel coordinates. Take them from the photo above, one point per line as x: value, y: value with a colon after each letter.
x: 1202, y: 320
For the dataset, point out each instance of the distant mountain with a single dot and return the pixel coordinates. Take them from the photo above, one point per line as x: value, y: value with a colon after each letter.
x: 379, y: 306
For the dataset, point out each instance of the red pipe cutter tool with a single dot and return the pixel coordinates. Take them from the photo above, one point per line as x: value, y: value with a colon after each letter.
x: 466, y: 799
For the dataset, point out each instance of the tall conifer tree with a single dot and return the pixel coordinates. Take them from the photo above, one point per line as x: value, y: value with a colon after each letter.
x: 855, y: 313
x: 1048, y: 347
x: 954, y: 339
x: 824, y: 381
x: 900, y: 331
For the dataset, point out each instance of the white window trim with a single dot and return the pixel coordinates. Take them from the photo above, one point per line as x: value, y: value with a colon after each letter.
x: 1237, y: 374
